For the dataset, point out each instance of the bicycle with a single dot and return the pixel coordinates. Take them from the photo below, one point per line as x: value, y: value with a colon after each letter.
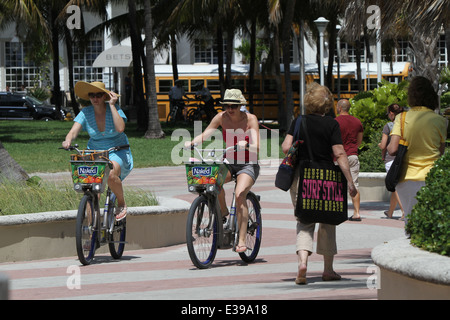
x: 90, y: 171
x: 201, y: 112
x: 205, y: 231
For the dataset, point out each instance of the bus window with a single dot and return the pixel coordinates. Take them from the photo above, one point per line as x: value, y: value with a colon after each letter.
x: 165, y: 85
x: 213, y: 85
x: 238, y: 84
x: 373, y: 84
x: 270, y: 85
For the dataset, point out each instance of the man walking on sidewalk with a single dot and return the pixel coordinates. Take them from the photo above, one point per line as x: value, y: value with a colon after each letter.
x: 352, y: 135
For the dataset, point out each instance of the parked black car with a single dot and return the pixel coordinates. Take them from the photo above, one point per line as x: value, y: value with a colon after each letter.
x: 19, y: 106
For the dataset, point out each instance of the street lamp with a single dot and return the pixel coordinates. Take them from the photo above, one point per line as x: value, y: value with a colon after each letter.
x: 338, y: 42
x: 321, y: 24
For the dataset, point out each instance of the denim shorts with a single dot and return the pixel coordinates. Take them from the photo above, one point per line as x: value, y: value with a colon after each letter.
x: 125, y: 159
x: 251, y: 169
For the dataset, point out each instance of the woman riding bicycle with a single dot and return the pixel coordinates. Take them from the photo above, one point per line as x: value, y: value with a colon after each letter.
x: 241, y: 129
x: 105, y: 123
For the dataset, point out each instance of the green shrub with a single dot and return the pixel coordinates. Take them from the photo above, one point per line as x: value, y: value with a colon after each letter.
x: 370, y: 159
x: 429, y: 222
x: 370, y: 107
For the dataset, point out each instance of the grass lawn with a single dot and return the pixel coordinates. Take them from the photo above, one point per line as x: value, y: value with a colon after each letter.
x: 34, y: 144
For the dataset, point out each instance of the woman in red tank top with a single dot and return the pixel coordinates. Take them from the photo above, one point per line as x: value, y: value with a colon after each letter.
x: 238, y: 128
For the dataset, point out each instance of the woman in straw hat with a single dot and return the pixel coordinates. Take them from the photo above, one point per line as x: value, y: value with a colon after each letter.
x: 105, y: 123
x: 241, y: 129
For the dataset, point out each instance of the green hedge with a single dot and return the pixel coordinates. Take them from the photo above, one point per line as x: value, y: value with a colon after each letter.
x: 429, y: 222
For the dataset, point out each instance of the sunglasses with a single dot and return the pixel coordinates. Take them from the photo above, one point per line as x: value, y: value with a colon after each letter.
x: 96, y: 94
x: 231, y: 106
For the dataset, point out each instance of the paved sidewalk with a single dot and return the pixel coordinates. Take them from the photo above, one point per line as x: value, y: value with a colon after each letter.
x: 167, y: 273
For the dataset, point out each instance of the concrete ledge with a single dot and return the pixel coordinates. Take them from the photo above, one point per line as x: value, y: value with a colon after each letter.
x: 372, y: 187
x: 52, y: 234
x: 407, y: 272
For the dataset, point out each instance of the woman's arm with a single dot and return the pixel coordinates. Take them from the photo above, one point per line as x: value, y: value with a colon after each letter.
x: 342, y: 160
x: 73, y: 133
x: 383, y: 144
x: 287, y: 143
x: 392, y: 148
x: 119, y: 123
x: 214, y: 124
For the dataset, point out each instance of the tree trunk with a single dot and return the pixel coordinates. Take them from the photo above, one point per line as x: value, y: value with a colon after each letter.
x: 9, y: 168
x: 154, y: 126
x: 286, y: 43
x: 136, y: 44
x: 426, y: 57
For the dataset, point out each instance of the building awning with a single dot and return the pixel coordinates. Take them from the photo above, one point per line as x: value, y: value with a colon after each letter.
x: 117, y: 56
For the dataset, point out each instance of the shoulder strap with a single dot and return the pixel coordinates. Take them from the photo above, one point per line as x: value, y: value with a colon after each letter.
x: 308, y: 144
x: 297, y: 128
x: 402, y: 128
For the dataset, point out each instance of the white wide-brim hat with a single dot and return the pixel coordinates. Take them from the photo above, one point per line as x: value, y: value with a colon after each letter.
x: 233, y: 96
x: 82, y: 89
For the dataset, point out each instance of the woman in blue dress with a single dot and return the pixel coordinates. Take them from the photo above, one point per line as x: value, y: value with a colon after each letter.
x: 105, y: 123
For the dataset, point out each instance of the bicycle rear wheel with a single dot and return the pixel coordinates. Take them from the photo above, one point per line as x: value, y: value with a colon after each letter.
x: 201, y: 233
x: 254, y: 229
x: 116, y: 239
x: 87, y: 232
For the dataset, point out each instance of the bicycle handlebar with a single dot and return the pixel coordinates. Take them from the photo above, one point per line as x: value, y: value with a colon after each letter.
x: 116, y: 148
x: 212, y: 152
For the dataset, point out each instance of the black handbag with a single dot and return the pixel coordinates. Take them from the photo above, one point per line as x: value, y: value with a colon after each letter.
x: 393, y: 175
x: 322, y: 190
x: 286, y: 170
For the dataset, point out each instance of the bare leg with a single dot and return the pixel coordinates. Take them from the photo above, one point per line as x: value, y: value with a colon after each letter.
x: 115, y: 184
x: 243, y: 186
x: 302, y: 266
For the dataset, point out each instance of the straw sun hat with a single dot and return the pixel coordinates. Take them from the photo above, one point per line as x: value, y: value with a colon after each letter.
x: 82, y: 89
x: 233, y: 96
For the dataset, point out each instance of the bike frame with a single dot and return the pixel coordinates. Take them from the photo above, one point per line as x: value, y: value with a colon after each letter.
x: 231, y: 225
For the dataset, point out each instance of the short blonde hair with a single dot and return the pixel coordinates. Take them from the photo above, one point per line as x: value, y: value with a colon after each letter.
x: 318, y: 99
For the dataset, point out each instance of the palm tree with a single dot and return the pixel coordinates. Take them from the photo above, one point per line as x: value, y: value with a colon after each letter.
x: 154, y: 126
x: 424, y: 20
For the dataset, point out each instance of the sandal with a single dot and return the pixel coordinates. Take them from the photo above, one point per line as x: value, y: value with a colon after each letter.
x: 122, y: 213
x: 240, y: 249
x: 354, y: 219
x: 387, y: 216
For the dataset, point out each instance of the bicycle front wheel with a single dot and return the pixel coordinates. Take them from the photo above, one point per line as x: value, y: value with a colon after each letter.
x: 254, y: 229
x: 201, y: 233
x: 87, y: 231
x: 116, y: 239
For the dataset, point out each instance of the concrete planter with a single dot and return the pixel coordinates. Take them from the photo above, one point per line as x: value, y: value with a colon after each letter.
x: 407, y: 272
x: 372, y: 187
x: 52, y: 234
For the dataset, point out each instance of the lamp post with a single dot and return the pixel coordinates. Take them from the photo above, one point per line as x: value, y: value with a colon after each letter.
x: 338, y: 43
x: 321, y: 24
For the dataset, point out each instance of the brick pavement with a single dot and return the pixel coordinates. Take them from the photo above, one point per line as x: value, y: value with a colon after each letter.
x: 168, y: 274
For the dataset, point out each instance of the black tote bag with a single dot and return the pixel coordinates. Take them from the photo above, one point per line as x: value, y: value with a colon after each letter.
x: 393, y: 175
x: 322, y: 191
x: 286, y: 170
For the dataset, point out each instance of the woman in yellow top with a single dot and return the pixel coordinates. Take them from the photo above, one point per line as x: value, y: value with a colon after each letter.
x: 426, y: 132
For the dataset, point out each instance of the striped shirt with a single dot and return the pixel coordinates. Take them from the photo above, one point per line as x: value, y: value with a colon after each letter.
x: 105, y: 139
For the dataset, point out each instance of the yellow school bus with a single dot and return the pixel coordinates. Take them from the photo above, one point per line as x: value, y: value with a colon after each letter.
x: 265, y: 101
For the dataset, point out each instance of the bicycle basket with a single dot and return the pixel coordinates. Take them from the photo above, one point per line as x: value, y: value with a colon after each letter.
x: 202, y: 176
x: 90, y: 170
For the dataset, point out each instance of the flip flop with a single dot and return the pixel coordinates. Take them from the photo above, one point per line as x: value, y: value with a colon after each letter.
x: 354, y: 219
x: 122, y: 213
x: 387, y: 216
x: 240, y: 249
